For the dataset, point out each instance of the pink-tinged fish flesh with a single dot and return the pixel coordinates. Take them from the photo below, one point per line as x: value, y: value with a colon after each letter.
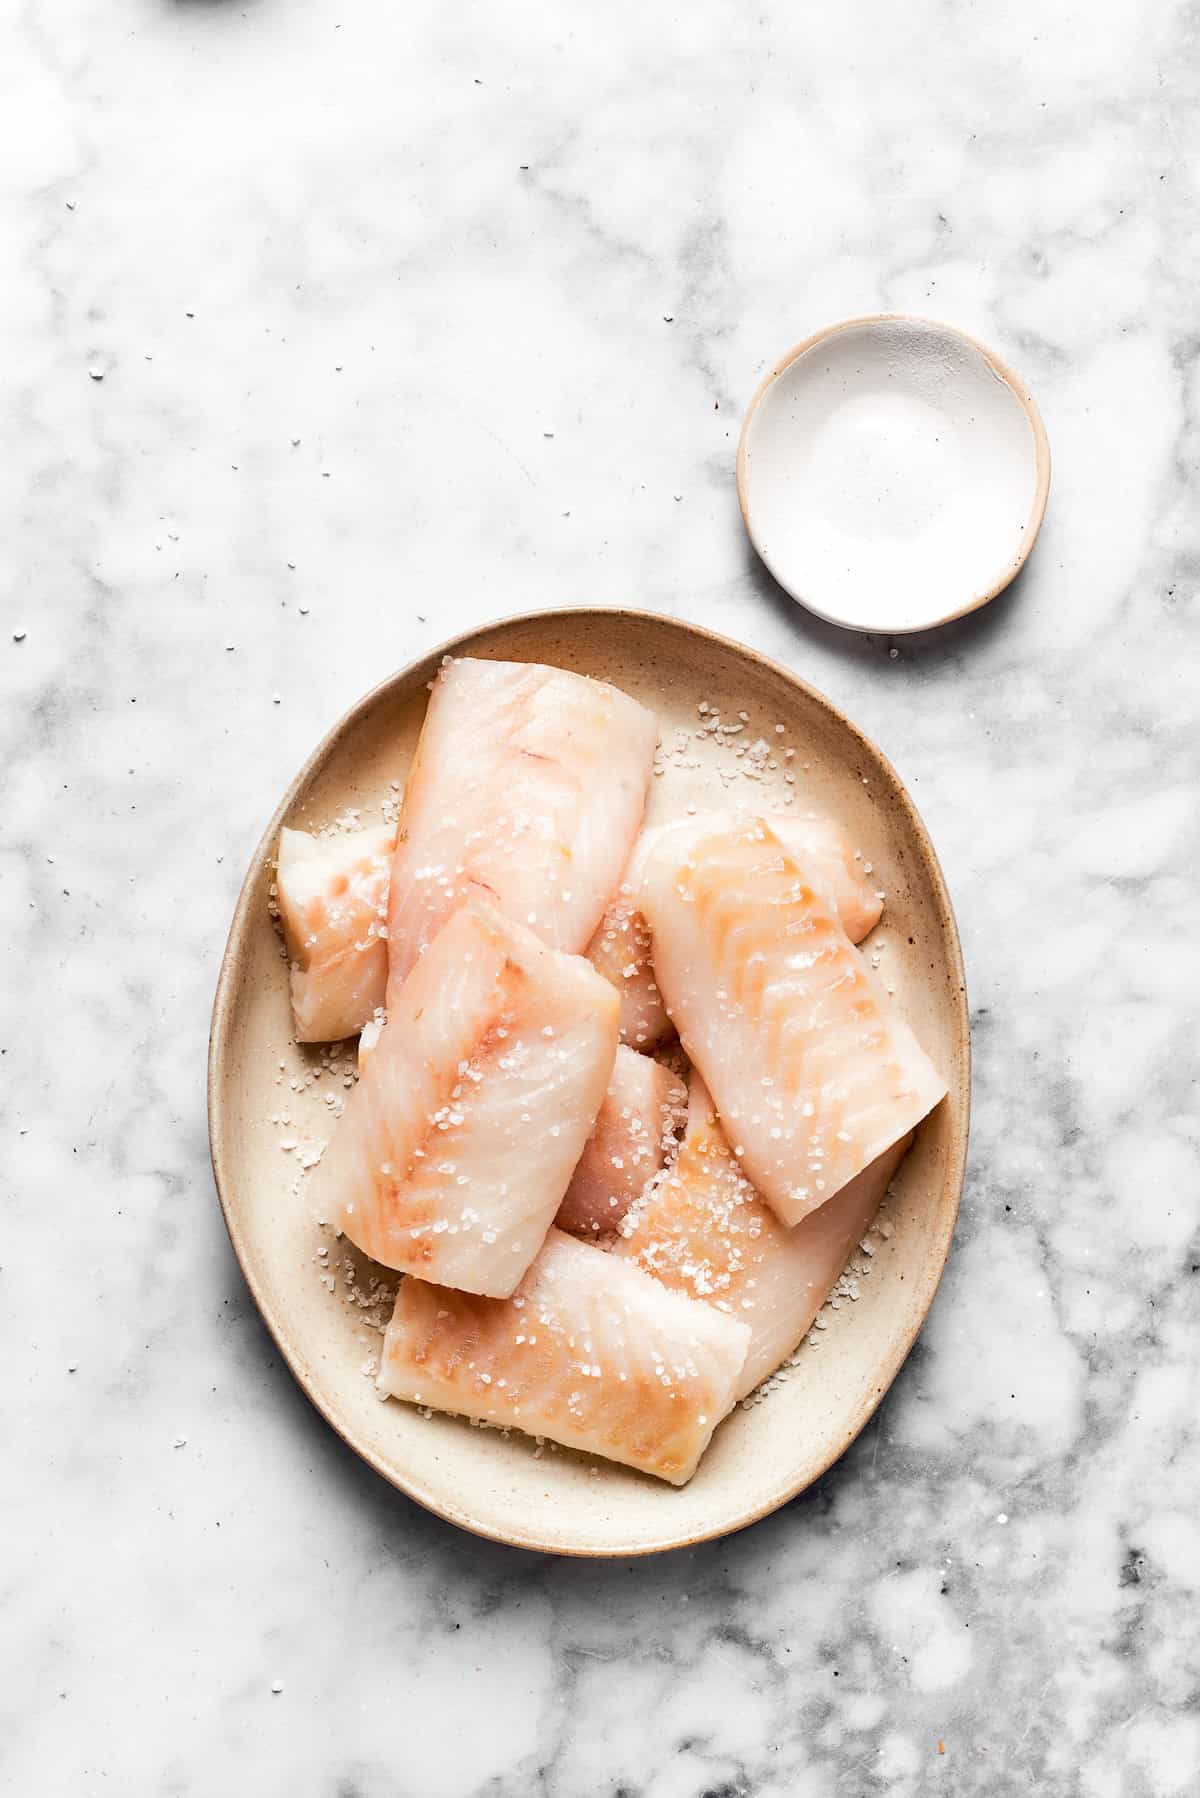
x: 332, y: 894
x: 590, y: 1351
x: 642, y: 1114
x: 527, y: 789
x: 812, y: 1068
x: 621, y: 948
x: 704, y: 1231
x: 472, y: 1106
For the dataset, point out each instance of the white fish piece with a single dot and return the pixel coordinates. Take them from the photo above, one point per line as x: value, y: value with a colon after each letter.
x: 622, y: 949
x: 332, y: 894
x: 590, y: 1352
x: 642, y: 1114
x: 704, y: 1231
x: 473, y: 1105
x: 812, y: 1068
x: 527, y: 790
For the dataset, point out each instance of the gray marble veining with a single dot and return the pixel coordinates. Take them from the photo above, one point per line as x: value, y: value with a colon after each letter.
x: 328, y: 332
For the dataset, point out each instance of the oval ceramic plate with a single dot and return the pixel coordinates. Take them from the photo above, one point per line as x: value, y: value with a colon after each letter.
x: 892, y: 473
x: 501, y: 1486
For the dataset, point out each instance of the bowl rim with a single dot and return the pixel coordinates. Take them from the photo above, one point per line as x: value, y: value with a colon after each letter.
x: 224, y: 1006
x: 1002, y: 369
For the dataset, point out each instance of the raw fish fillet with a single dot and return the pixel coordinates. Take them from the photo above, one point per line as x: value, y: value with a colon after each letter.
x: 527, y: 789
x: 704, y: 1231
x: 473, y: 1104
x: 621, y: 947
x: 332, y: 904
x: 620, y: 950
x: 591, y: 1352
x: 812, y: 1069
x: 641, y: 1115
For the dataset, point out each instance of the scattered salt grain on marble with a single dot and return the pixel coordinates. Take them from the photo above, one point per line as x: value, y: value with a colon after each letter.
x: 277, y: 1686
x: 18, y: 636
x: 72, y: 1366
x: 179, y: 1442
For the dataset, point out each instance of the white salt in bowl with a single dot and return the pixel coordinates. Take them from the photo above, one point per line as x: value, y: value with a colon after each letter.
x: 892, y: 473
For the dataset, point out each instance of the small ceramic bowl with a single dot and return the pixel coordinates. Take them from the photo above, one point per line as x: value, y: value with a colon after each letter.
x: 268, y: 1103
x: 892, y: 473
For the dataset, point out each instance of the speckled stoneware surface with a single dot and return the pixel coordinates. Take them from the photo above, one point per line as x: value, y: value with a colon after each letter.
x: 263, y: 1131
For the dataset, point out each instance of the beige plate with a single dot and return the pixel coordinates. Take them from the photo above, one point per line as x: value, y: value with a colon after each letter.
x: 761, y: 1457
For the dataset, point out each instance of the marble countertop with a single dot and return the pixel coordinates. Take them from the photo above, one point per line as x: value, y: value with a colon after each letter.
x: 329, y: 332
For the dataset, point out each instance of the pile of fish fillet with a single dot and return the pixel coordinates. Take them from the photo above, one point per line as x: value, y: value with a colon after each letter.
x: 595, y: 1250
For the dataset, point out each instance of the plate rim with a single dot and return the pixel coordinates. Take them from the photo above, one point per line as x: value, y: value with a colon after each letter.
x: 224, y: 1004
x: 1000, y: 368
